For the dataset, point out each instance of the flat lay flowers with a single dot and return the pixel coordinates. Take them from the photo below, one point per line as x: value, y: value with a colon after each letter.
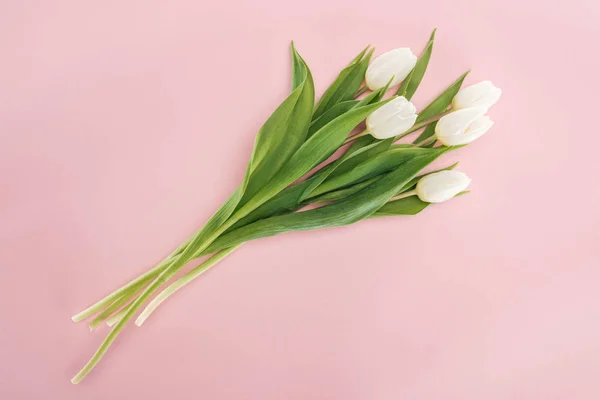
x: 385, y: 145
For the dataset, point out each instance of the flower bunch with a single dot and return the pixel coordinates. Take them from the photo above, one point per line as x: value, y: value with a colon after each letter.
x: 375, y: 176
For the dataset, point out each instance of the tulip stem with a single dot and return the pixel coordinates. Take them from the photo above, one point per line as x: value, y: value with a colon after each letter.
x: 181, y: 282
x: 404, y: 195
x: 427, y: 141
x: 414, y: 128
x: 354, y: 137
x: 361, y: 91
x: 422, y: 124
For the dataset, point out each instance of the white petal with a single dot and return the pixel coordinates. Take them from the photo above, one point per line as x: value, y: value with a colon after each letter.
x: 482, y: 94
x: 395, y: 63
x: 392, y: 118
x: 474, y: 131
x: 442, y: 186
x: 458, y: 121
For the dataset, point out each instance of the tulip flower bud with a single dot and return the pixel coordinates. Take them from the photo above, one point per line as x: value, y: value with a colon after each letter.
x: 462, y: 126
x: 391, y: 119
x: 482, y: 94
x: 441, y: 186
x: 395, y: 64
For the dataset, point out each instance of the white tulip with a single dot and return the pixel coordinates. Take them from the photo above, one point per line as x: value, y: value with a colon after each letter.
x: 441, y: 186
x: 395, y: 64
x: 482, y: 94
x: 462, y: 126
x: 391, y: 119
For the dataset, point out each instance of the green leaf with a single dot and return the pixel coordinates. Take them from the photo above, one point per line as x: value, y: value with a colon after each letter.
x: 322, y: 177
x: 380, y: 163
x: 346, y: 84
x: 428, y: 132
x: 355, y: 151
x: 363, y: 148
x: 407, y: 206
x: 285, y: 201
x: 330, y: 115
x: 375, y: 147
x: 410, y: 85
x: 343, y: 107
x: 413, y: 183
x: 282, y: 134
x: 375, y: 96
x: 298, y: 68
x: 443, y: 101
x: 438, y: 106
x: 349, y: 210
x: 314, y: 151
x: 277, y: 140
x: 342, y: 193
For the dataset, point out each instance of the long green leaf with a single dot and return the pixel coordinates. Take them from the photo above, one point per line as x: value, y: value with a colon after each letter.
x: 353, y: 152
x: 298, y: 68
x: 294, y: 197
x: 347, y: 211
x: 407, y: 206
x: 342, y: 193
x: 330, y: 115
x: 381, y: 163
x: 285, y: 201
x: 283, y: 133
x: 314, y: 151
x: 438, y: 106
x: 361, y: 149
x: 343, y: 107
x: 413, y: 80
x: 346, y: 84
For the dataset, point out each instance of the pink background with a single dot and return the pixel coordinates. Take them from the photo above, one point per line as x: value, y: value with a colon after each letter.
x: 124, y: 125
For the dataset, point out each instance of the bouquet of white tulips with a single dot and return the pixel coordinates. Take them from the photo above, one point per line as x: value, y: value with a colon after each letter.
x: 375, y: 175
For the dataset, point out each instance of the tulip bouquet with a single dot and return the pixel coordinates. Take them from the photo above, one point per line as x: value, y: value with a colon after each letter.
x: 292, y: 167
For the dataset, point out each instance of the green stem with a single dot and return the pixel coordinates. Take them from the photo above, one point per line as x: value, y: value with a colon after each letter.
x: 110, y: 338
x: 117, y: 317
x: 194, y: 247
x: 361, y: 91
x: 181, y: 282
x: 142, y: 279
x: 126, y: 298
x: 421, y: 125
x: 354, y: 137
x: 403, y: 195
x: 427, y: 141
x: 107, y: 312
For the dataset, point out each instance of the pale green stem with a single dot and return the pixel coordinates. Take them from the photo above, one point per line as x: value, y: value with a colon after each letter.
x: 110, y: 338
x: 125, y: 299
x: 404, y: 195
x: 144, y: 278
x: 164, y: 276
x: 421, y: 125
x: 181, y: 282
x: 354, y: 137
x: 107, y: 312
x: 117, y: 317
x: 425, y: 142
x: 361, y: 91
